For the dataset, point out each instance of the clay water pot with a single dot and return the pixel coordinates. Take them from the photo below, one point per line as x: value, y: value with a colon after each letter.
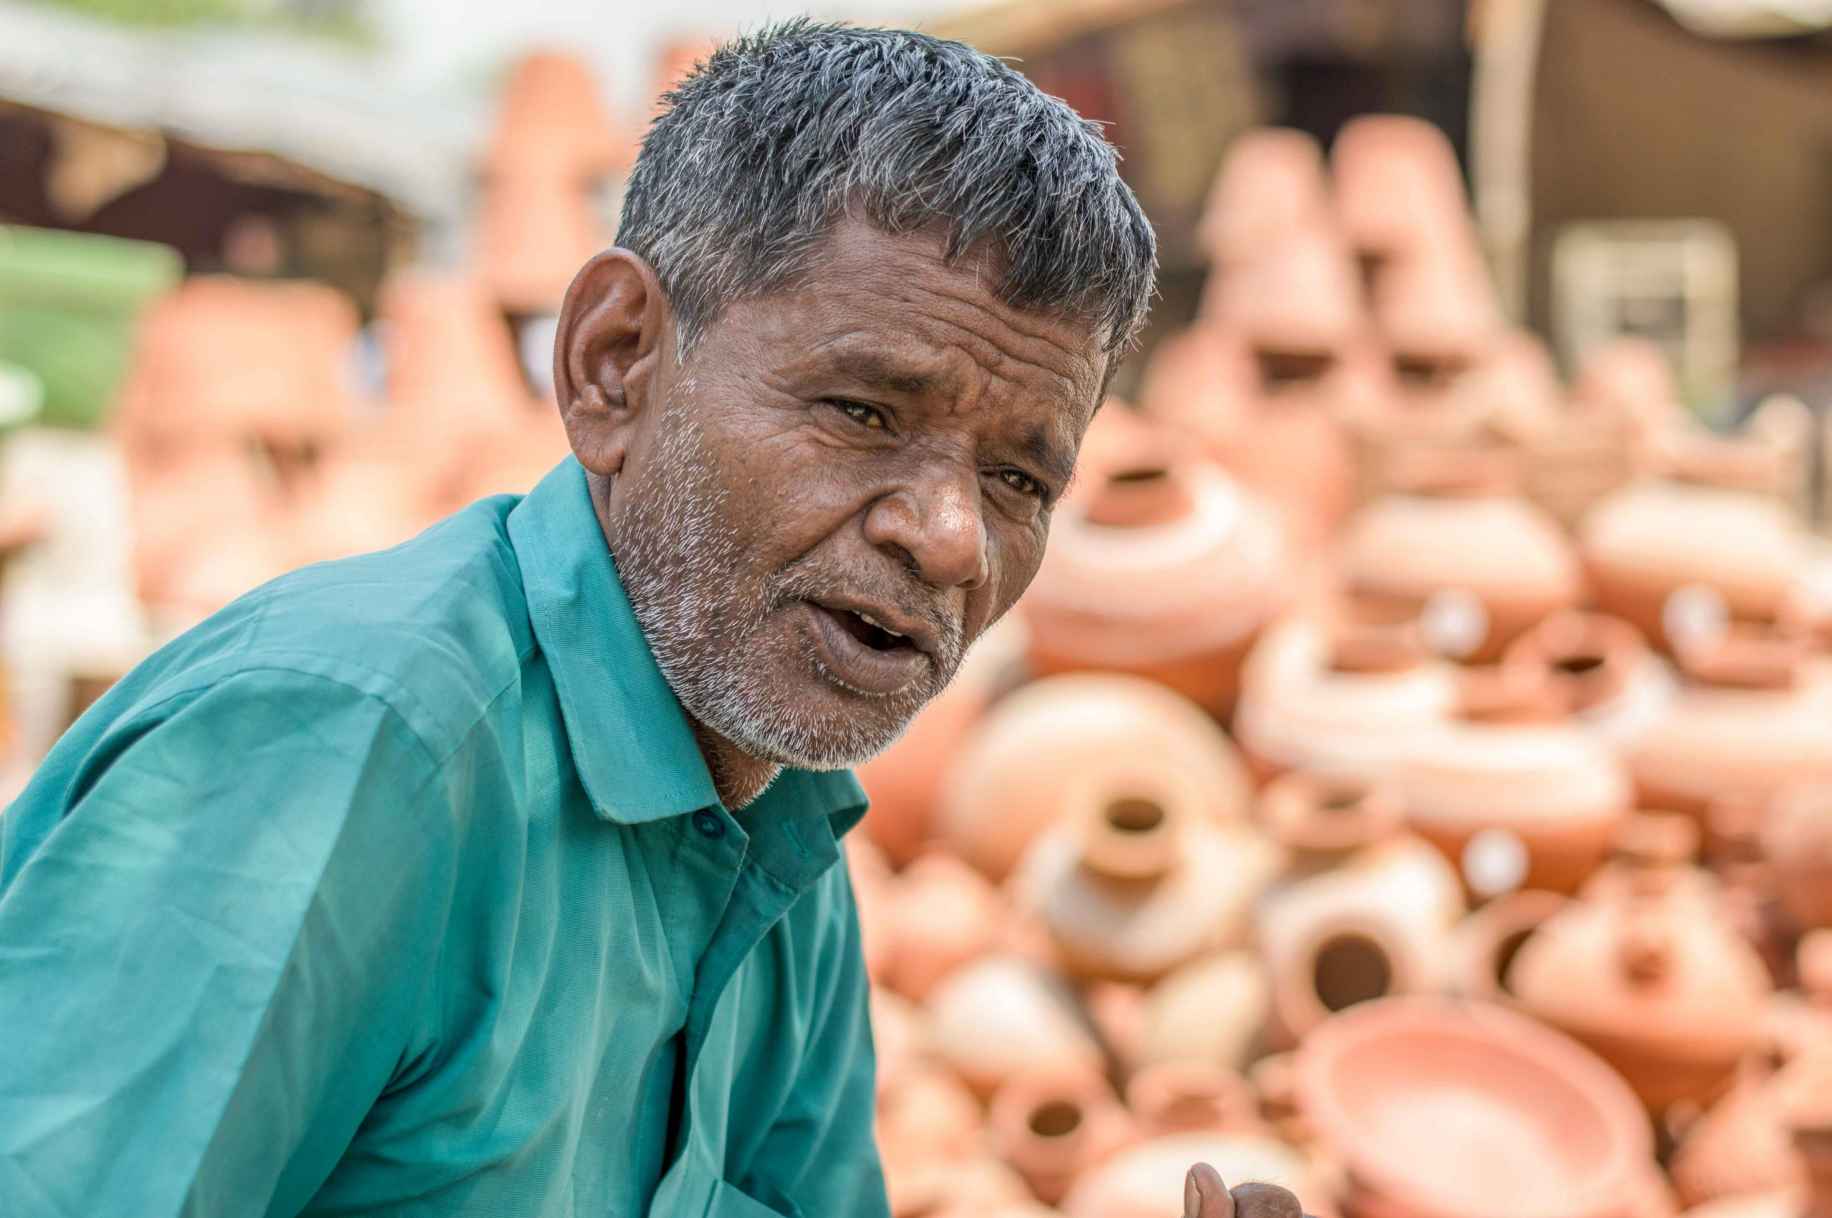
x: 924, y: 1114
x: 1139, y: 878
x: 1397, y: 183
x: 1000, y: 1017
x: 1485, y: 944
x: 1341, y: 693
x: 1146, y: 1181
x: 1797, y: 839
x: 1643, y: 970
x: 1742, y: 1145
x: 1014, y: 775
x: 1164, y: 568
x: 1750, y: 720
x: 1466, y: 1110
x: 1271, y: 181
x: 1511, y: 776
x: 1456, y: 526
x: 1173, y: 1097
x: 904, y: 781
x: 1211, y: 1011
x: 1362, y: 911
x: 1297, y: 297
x: 942, y: 914
x: 1697, y: 525
x: 1598, y: 669
x: 1054, y: 1127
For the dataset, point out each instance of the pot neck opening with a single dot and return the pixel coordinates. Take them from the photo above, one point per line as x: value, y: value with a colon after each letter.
x: 1349, y: 967
x: 1132, y: 838
x: 1139, y: 494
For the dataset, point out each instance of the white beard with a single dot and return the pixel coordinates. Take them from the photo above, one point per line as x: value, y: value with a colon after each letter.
x: 685, y: 573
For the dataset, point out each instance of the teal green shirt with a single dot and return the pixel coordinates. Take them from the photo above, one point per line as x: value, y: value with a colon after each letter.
x: 400, y: 887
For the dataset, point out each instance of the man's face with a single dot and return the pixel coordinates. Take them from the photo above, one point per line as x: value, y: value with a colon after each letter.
x: 841, y: 488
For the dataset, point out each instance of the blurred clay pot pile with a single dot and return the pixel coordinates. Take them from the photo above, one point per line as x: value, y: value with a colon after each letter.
x: 1408, y: 778
x: 249, y: 445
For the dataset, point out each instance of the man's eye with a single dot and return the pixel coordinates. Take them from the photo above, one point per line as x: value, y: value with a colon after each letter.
x: 1022, y: 482
x: 860, y: 413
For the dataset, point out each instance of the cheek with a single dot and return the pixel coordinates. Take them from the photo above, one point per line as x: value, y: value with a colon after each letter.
x: 1017, y: 553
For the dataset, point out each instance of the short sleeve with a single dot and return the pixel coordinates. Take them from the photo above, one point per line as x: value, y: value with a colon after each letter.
x: 210, y: 963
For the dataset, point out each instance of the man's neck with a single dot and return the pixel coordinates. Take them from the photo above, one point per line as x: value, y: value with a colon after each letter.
x: 738, y: 777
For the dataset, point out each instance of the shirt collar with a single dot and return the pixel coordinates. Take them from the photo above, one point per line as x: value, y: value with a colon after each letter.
x: 631, y: 741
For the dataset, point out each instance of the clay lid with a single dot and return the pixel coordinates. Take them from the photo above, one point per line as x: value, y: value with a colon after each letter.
x: 1325, y: 816
x: 1466, y: 1110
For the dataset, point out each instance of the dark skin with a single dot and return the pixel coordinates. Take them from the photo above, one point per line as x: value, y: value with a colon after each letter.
x: 888, y: 416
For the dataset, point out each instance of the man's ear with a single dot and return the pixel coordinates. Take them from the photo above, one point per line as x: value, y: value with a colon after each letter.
x: 605, y: 352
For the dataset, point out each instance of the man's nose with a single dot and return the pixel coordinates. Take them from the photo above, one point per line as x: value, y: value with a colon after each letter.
x: 935, y: 527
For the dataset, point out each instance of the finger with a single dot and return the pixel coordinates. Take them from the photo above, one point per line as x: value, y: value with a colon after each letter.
x: 1204, y: 1194
x: 1265, y: 1201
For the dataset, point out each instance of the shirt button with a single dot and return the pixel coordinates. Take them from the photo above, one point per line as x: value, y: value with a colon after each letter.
x: 708, y: 823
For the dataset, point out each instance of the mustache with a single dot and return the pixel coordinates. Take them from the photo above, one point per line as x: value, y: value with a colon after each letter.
x: 803, y: 580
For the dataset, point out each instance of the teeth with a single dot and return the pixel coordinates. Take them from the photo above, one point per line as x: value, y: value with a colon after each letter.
x: 880, y: 625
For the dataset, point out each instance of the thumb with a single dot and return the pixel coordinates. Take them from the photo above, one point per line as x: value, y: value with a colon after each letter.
x: 1204, y: 1194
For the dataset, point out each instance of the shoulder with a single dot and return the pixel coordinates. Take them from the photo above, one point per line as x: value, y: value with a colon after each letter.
x: 433, y: 630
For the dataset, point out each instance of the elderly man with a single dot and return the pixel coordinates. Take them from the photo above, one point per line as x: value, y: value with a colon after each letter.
x: 497, y: 874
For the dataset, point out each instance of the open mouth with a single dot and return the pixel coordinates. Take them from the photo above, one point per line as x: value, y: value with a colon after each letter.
x: 870, y: 632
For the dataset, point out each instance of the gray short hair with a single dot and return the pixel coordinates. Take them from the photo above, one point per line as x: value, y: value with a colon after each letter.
x: 764, y: 145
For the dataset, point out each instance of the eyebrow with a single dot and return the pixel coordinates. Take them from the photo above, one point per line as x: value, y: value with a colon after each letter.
x: 876, y: 372
x: 1058, y: 465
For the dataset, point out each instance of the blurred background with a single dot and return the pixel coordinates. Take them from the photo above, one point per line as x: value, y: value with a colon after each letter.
x: 1409, y: 777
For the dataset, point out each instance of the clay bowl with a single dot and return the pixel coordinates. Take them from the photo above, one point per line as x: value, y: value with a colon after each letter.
x: 1466, y: 1110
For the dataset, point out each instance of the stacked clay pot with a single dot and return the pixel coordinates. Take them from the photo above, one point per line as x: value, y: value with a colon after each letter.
x: 1163, y: 567
x: 1643, y: 969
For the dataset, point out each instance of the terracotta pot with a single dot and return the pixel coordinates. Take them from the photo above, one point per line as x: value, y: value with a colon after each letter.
x: 1014, y: 1209
x: 1053, y: 1128
x: 1487, y: 942
x: 975, y: 1184
x: 904, y: 781
x: 1191, y: 1097
x: 1363, y: 911
x: 1297, y: 296
x: 1138, y: 878
x: 1211, y: 1010
x: 1598, y: 669
x: 1797, y: 839
x: 924, y: 1114
x: 1805, y: 1114
x: 1466, y: 1110
x: 1165, y: 568
x: 1749, y: 721
x: 872, y: 888
x: 1270, y: 181
x: 1644, y: 971
x: 1629, y: 379
x: 1397, y: 184
x: 1271, y: 416
x: 1146, y: 1181
x: 1741, y: 1146
x: 1338, y: 696
x: 900, y: 1035
x: 999, y: 1017
x: 1511, y: 776
x: 1458, y: 528
x: 1660, y: 536
x: 943, y: 914
x: 1012, y: 779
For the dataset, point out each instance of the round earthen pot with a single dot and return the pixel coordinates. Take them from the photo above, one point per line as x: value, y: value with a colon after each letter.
x: 1598, y: 669
x: 1014, y: 776
x: 1138, y: 878
x: 1271, y: 181
x: 1742, y: 1145
x: 1644, y: 970
x: 1297, y: 296
x: 1512, y: 772
x: 1146, y: 1181
x: 1341, y: 697
x: 904, y: 781
x: 1396, y: 183
x: 1457, y: 527
x: 1804, y: 1102
x: 1191, y: 1097
x: 1660, y: 536
x: 942, y: 914
x: 1752, y: 718
x: 1164, y: 568
x: 1000, y: 1017
x: 1363, y: 910
x: 1054, y: 1127
x: 1212, y: 1011
x: 1797, y: 840
x: 1486, y: 943
x: 1466, y: 1110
